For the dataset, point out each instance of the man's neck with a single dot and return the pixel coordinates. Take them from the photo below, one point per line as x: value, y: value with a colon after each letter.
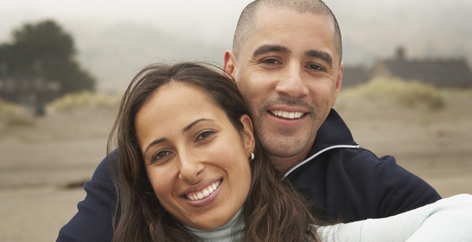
x: 284, y: 164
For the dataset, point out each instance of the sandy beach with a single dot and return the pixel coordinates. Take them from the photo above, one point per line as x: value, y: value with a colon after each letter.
x: 42, y: 166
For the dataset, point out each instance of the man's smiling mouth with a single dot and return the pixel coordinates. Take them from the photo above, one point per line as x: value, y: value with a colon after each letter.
x: 287, y: 115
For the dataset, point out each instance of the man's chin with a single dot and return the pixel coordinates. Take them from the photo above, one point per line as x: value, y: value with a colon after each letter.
x: 284, y: 149
x: 284, y: 143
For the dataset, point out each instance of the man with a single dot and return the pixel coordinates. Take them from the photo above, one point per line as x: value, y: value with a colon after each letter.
x: 286, y: 60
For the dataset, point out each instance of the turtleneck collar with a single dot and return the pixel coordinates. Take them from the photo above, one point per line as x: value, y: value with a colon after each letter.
x: 233, y: 231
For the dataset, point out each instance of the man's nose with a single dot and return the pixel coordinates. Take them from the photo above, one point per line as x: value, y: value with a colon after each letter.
x: 291, y: 83
x: 191, y: 167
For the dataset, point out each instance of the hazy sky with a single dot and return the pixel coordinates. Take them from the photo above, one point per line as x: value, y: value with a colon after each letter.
x: 212, y: 17
x: 370, y: 27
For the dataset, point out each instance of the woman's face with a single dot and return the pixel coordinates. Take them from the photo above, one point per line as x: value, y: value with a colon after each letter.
x: 196, y: 160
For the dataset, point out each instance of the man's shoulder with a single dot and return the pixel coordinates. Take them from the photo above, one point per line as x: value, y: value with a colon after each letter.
x: 355, y: 184
x: 359, y: 159
x: 102, y: 173
x: 347, y: 160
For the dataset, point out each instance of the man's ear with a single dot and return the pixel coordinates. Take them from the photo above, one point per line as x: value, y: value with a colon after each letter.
x: 229, y: 64
x: 247, y: 133
x: 339, y: 82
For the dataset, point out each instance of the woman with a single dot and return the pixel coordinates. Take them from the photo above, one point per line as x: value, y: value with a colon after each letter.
x: 188, y: 114
x: 191, y: 169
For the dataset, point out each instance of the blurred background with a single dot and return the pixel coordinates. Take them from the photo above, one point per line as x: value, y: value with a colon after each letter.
x: 407, y: 88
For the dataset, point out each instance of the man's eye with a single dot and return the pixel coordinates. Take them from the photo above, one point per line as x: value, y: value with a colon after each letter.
x: 204, y: 134
x: 315, y: 67
x: 270, y: 61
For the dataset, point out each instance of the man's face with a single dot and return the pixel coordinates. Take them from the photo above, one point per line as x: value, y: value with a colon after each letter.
x: 289, y: 73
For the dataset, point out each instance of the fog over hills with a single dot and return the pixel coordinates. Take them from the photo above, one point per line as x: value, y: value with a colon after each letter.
x: 117, y: 52
x: 435, y: 29
x: 114, y: 46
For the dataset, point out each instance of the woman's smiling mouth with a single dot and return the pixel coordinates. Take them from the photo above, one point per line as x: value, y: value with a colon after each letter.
x: 205, y: 192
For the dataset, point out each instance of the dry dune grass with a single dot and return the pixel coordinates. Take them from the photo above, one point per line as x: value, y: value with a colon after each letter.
x: 393, y: 91
x: 85, y: 100
x: 13, y: 115
x: 7, y: 108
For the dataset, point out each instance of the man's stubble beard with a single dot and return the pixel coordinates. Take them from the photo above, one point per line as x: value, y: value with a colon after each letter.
x: 279, y: 145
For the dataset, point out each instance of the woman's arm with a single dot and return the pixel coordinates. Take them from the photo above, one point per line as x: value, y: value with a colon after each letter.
x: 448, y: 219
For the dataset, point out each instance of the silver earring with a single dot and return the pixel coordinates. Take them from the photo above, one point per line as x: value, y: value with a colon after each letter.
x: 252, y: 155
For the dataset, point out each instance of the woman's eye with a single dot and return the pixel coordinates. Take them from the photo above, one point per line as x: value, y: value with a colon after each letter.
x: 204, y: 135
x: 159, y: 155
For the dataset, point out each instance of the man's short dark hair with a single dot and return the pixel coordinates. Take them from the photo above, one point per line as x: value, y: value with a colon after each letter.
x: 245, y: 28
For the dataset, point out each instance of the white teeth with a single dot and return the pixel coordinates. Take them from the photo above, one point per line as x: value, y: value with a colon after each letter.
x: 204, y: 193
x: 289, y: 115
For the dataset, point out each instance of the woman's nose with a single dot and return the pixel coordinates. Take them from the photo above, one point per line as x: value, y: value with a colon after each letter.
x: 190, y: 168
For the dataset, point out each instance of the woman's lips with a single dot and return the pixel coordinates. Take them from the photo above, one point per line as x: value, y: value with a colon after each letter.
x: 205, y: 192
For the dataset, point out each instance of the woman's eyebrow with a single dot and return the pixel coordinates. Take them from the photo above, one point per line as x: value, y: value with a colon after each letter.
x: 188, y: 127
x: 155, y: 142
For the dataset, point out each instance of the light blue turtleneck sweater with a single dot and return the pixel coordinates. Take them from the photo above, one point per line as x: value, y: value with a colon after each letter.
x: 233, y: 231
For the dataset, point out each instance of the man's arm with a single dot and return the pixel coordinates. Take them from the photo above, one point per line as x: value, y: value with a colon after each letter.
x: 354, y: 184
x: 397, y: 190
x: 93, y: 221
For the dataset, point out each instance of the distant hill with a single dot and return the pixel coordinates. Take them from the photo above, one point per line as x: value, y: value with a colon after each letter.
x: 116, y: 53
x: 426, y: 28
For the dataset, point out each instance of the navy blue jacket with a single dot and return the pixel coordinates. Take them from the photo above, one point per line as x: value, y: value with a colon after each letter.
x: 349, y: 183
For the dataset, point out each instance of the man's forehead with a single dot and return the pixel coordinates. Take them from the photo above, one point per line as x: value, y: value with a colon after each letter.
x: 268, y: 12
x: 269, y: 19
x: 284, y: 27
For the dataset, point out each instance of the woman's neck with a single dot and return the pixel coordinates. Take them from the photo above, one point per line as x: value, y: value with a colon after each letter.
x: 233, y: 231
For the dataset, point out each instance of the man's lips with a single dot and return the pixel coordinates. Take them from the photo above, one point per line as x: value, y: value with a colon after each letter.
x: 286, y: 114
x: 205, y: 192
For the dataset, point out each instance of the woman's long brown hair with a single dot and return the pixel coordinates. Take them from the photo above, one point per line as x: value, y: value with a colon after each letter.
x: 273, y: 211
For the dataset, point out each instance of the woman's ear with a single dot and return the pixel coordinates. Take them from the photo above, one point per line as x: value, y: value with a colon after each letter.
x: 247, y: 133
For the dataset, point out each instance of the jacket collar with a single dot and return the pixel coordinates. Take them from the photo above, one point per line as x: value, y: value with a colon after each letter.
x: 332, y: 132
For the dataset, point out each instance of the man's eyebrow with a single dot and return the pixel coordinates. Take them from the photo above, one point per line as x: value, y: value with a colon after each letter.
x: 270, y: 48
x: 321, y: 55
